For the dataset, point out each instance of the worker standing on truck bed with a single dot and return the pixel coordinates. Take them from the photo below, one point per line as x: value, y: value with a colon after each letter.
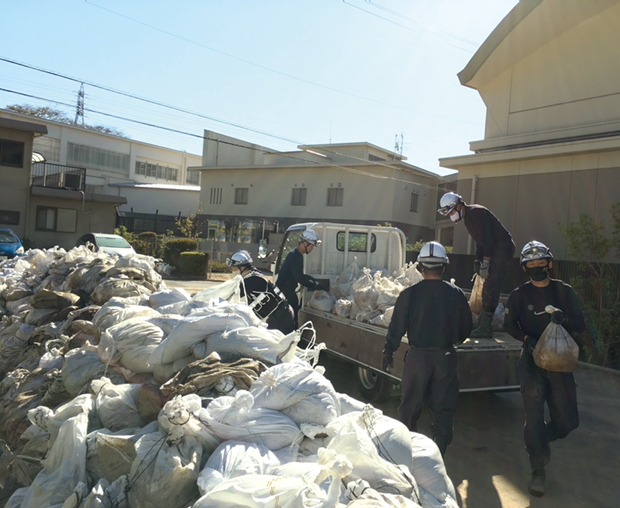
x: 526, y: 320
x: 264, y: 297
x: 292, y: 270
x: 494, y: 250
x: 436, y: 317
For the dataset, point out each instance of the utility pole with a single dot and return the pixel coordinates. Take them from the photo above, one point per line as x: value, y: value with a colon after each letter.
x: 79, y: 110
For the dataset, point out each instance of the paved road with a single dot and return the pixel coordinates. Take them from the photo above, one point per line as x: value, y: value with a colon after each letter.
x: 487, y: 461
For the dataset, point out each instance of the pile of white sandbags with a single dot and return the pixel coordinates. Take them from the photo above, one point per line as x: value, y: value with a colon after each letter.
x: 133, y: 396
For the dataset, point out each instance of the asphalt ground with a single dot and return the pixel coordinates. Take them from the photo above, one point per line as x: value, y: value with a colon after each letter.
x: 487, y: 461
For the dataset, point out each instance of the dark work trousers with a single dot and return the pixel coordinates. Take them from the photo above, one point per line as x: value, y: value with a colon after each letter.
x: 283, y: 319
x: 498, y: 269
x: 430, y: 374
x: 294, y: 303
x: 559, y: 391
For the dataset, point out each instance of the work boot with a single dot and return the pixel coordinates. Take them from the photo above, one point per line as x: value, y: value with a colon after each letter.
x: 484, y: 330
x: 537, y: 485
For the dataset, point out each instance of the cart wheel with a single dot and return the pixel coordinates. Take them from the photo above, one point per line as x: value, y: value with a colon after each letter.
x: 372, y: 386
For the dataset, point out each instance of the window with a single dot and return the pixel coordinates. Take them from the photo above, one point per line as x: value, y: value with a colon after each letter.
x: 335, y: 197
x: 63, y: 220
x: 216, y: 196
x: 192, y: 178
x: 299, y: 197
x: 11, y: 153
x: 156, y: 171
x: 372, y: 157
x: 9, y: 217
x: 97, y: 158
x: 413, y: 207
x: 241, y: 196
x: 357, y: 242
x: 47, y: 147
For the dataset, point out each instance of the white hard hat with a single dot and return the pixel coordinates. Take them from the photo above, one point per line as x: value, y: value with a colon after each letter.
x: 241, y: 257
x: 433, y: 255
x: 311, y: 237
x: 448, y: 202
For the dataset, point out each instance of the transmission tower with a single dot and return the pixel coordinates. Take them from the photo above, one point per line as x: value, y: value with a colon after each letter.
x: 79, y: 109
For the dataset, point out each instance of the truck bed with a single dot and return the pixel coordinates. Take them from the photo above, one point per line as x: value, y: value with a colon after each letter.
x: 483, y: 364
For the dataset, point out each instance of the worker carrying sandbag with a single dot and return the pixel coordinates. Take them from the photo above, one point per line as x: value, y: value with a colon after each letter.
x: 435, y: 316
x: 494, y: 250
x: 263, y: 296
x: 528, y: 320
x: 292, y: 270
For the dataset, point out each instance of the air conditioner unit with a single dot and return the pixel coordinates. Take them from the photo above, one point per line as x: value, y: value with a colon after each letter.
x: 73, y: 181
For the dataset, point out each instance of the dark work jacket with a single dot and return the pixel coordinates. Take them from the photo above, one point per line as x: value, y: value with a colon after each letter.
x: 291, y: 274
x: 491, y: 237
x: 525, y: 310
x: 433, y: 314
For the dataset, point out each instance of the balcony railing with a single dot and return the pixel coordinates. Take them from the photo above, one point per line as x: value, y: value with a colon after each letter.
x: 57, y: 176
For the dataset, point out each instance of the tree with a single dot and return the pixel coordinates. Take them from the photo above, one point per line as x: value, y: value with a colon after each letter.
x: 57, y: 115
x: 190, y: 226
x: 597, y: 284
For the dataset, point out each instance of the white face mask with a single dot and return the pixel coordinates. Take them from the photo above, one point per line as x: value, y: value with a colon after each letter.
x: 456, y: 216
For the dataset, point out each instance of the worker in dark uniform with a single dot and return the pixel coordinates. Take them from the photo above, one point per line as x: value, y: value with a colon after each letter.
x: 526, y: 320
x: 436, y: 317
x: 264, y: 297
x: 494, y: 250
x: 292, y: 270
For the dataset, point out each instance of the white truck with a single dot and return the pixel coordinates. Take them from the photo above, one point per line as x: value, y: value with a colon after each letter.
x: 484, y: 364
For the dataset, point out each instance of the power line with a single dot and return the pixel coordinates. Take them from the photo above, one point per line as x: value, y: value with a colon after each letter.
x: 262, y: 150
x: 264, y: 67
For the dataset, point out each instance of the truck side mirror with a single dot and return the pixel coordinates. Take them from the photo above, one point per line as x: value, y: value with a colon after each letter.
x: 263, y: 255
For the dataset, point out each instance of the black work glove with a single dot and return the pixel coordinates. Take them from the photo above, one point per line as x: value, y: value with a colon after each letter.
x: 477, y: 267
x: 530, y: 344
x: 557, y: 317
x: 388, y: 362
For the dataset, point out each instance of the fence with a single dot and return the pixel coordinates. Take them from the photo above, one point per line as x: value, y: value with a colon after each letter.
x: 57, y: 176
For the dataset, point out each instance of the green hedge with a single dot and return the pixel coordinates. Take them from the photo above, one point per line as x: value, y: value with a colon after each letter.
x: 174, y: 248
x: 193, y: 263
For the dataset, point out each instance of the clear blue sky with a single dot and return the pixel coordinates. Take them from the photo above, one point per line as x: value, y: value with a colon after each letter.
x: 308, y: 71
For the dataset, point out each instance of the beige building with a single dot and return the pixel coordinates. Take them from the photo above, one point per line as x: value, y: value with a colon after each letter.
x: 249, y: 191
x: 148, y: 186
x: 548, y: 77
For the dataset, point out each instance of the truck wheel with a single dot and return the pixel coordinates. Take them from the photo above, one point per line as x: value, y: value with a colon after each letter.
x: 372, y: 386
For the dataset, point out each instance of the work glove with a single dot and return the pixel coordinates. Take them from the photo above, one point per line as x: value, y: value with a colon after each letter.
x: 557, y: 317
x: 477, y: 267
x: 484, y: 269
x: 530, y: 344
x: 388, y: 362
x: 313, y: 284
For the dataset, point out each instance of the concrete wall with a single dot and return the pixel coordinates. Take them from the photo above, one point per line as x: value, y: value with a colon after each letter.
x: 15, y: 182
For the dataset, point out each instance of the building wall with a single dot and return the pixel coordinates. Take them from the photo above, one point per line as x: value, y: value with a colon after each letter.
x: 15, y: 182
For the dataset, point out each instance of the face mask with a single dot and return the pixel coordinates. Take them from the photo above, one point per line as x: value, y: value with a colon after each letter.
x: 538, y: 273
x: 456, y: 217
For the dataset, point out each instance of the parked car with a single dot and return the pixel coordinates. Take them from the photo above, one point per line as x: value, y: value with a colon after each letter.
x: 10, y: 244
x: 110, y: 244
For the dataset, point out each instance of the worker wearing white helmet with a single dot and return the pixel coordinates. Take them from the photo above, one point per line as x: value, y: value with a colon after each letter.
x: 263, y: 296
x: 436, y: 317
x: 494, y: 250
x: 292, y: 270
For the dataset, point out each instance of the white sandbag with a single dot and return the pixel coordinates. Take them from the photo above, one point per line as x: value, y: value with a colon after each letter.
x: 165, y: 372
x: 19, y: 307
x: 388, y: 292
x: 196, y: 327
x: 348, y: 404
x: 342, y: 307
x: 363, y: 496
x: 168, y: 296
x: 235, y: 418
x: 229, y: 290
x: 233, y: 459
x: 556, y: 350
x: 164, y: 472
x: 51, y: 360
x: 181, y: 416
x: 17, y: 498
x: 352, y: 436
x: 427, y: 500
x: 363, y: 281
x: 79, y: 369
x: 429, y: 469
x: 366, y: 298
x: 299, y: 391
x: 321, y: 300
x: 111, y: 287
x: 257, y: 342
x: 341, y: 286
x: 383, y: 319
x: 117, y: 310
x: 130, y: 343
x: 63, y: 468
x: 117, y: 405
